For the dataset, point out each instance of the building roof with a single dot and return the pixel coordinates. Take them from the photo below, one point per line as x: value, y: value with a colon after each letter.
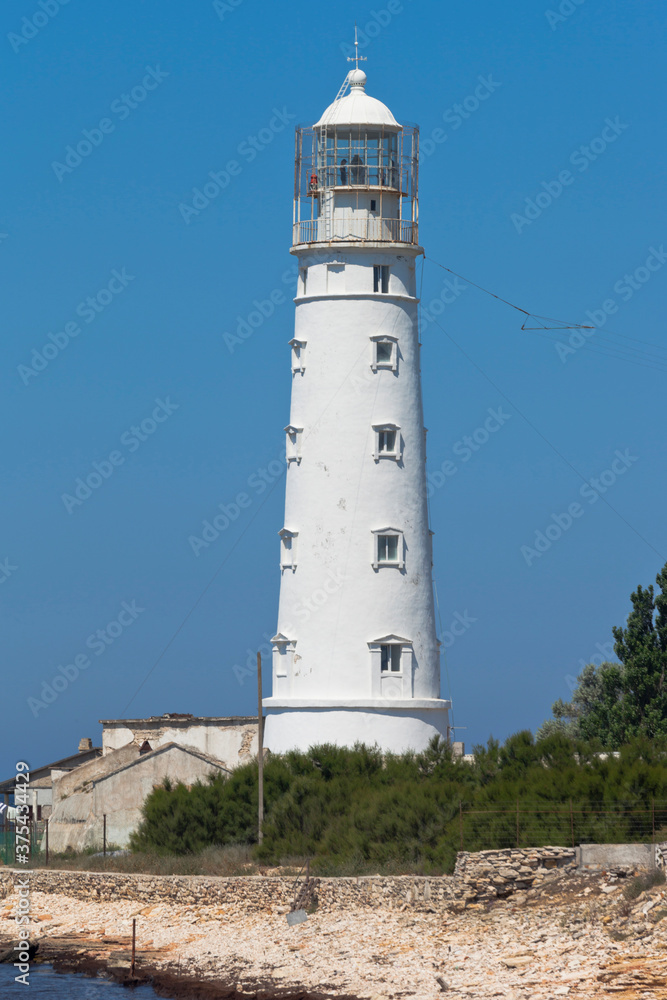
x: 65, y: 764
x: 180, y: 718
x: 140, y: 760
x: 357, y: 107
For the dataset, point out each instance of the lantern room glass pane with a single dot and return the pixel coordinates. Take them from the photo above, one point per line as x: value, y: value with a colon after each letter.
x: 359, y: 158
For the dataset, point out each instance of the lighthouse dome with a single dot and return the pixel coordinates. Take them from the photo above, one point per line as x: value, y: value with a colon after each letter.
x: 357, y: 107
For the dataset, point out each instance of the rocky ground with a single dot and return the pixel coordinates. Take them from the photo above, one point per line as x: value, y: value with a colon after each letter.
x: 578, y: 935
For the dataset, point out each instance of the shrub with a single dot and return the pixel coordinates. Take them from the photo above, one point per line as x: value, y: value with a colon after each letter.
x: 357, y: 811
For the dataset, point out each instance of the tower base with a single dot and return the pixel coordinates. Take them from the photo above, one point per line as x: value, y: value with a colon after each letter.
x: 395, y: 729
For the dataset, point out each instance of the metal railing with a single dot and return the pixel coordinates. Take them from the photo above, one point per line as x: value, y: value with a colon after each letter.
x: 356, y: 228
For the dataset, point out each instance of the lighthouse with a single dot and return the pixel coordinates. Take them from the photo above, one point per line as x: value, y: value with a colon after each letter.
x: 356, y: 656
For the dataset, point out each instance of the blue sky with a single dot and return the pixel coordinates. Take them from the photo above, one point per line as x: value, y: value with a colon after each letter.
x: 546, y: 186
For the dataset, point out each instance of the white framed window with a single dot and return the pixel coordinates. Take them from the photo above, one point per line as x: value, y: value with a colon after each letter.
x: 387, y: 442
x: 387, y: 549
x: 385, y: 353
x: 293, y: 443
x: 303, y: 279
x: 392, y: 662
x: 390, y: 658
x: 298, y: 351
x: 288, y: 541
x: 381, y: 278
x: 283, y: 663
x: 388, y: 546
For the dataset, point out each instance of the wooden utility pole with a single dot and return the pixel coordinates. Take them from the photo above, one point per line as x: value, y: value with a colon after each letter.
x: 260, y: 752
x: 47, y: 841
x: 104, y: 835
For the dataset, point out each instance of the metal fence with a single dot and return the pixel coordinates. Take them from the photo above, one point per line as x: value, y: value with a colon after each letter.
x: 7, y: 847
x: 8, y: 842
x: 495, y: 826
x: 534, y: 824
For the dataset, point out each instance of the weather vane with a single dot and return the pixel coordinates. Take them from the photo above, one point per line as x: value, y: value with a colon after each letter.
x: 356, y: 58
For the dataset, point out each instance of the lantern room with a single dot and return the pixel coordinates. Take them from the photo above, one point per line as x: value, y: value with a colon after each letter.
x: 356, y: 173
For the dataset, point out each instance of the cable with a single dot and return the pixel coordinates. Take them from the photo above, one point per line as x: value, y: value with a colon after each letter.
x: 234, y: 546
x: 560, y: 324
x: 202, y: 595
x: 545, y: 439
x: 564, y: 325
x: 607, y: 351
x: 428, y: 516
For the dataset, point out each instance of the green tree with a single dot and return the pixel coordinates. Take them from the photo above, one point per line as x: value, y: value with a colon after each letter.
x: 616, y: 702
x: 642, y: 649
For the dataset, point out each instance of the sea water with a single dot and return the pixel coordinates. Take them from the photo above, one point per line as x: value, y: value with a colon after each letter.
x: 49, y: 985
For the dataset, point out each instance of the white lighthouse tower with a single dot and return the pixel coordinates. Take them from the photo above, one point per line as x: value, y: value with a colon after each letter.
x: 356, y: 657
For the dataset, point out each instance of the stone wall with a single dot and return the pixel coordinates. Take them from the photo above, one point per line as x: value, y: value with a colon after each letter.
x: 477, y: 878
x: 254, y: 893
x: 497, y: 874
